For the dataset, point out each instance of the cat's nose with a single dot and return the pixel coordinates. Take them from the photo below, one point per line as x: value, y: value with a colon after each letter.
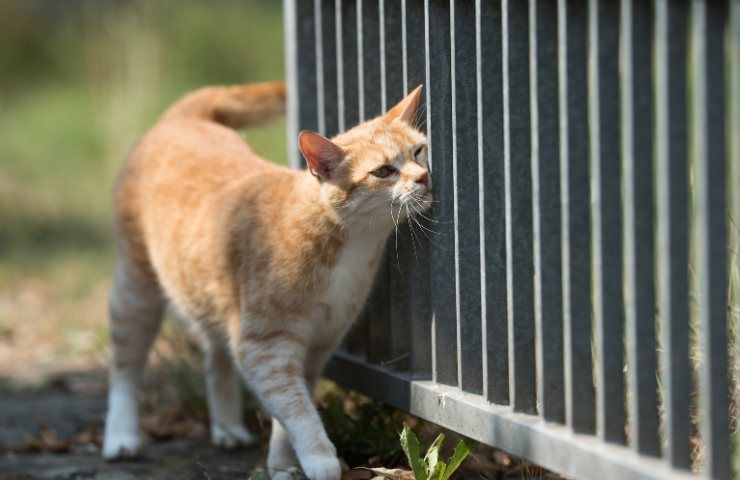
x: 423, y: 179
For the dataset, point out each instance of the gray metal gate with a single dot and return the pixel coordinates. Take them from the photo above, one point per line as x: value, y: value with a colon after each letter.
x: 572, y: 297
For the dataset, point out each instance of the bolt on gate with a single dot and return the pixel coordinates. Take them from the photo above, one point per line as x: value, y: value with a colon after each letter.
x: 568, y: 301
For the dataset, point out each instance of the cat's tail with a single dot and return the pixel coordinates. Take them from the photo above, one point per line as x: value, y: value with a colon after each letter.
x: 239, y: 106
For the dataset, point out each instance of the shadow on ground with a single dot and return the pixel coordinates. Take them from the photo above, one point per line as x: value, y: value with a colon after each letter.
x: 54, y: 433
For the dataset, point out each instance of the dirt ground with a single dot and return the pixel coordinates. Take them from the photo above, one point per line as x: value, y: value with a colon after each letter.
x: 54, y: 433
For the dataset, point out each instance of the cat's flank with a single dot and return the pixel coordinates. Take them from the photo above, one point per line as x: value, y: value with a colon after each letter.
x: 271, y: 265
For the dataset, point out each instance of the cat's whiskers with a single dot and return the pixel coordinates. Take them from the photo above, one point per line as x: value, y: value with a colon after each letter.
x: 413, y: 234
x: 422, y: 230
x: 418, y: 203
x: 395, y: 224
x: 419, y: 225
x: 426, y: 228
x: 428, y: 237
x: 427, y: 201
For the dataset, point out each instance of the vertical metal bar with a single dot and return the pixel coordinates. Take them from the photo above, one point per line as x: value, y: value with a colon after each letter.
x: 708, y: 155
x: 348, y: 112
x: 377, y: 306
x: 319, y: 55
x: 356, y: 340
x: 414, y: 48
x: 346, y: 28
x: 391, y: 79
x: 418, y: 266
x: 360, y: 62
x: 672, y: 226
x: 301, y: 72
x: 546, y: 208
x: 492, y: 209
x: 637, y: 196
x: 439, y: 114
x: 604, y: 116
x: 391, y: 56
x: 518, y: 188
x: 378, y: 312
x: 420, y: 312
x: 576, y: 226
x: 368, y: 39
x: 326, y: 58
x: 400, y: 325
x: 290, y: 34
x: 361, y: 331
x: 734, y: 134
x: 399, y: 289
x: 465, y: 194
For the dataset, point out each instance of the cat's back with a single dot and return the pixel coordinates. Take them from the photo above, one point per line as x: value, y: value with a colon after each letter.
x: 193, y: 151
x: 176, y: 186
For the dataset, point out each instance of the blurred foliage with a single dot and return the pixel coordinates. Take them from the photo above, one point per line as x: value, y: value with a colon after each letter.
x: 80, y: 81
x: 365, y: 431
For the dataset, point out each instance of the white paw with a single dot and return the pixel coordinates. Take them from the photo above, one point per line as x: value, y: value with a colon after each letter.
x: 319, y: 467
x: 120, y: 446
x: 232, y: 436
x: 285, y: 473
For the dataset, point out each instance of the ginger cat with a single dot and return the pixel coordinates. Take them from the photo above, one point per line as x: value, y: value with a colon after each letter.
x: 270, y: 264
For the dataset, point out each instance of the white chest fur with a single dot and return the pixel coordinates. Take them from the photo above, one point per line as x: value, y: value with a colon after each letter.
x: 352, y: 276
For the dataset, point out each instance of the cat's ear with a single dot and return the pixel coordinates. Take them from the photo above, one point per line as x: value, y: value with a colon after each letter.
x: 406, y: 108
x: 322, y: 155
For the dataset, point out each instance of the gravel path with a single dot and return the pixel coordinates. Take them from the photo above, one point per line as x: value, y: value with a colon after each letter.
x: 33, y: 425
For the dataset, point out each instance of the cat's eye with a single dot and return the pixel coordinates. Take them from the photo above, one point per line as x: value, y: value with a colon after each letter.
x: 419, y: 150
x: 384, y: 171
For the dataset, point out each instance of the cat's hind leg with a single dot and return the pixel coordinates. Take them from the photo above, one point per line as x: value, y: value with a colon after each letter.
x: 136, y: 309
x: 224, y: 396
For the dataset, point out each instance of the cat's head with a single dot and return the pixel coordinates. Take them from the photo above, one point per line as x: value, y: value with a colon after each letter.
x: 377, y: 168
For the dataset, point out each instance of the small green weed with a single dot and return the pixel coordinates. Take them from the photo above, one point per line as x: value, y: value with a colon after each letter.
x: 428, y: 467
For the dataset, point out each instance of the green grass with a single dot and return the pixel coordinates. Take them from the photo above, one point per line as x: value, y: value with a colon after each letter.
x: 81, y: 82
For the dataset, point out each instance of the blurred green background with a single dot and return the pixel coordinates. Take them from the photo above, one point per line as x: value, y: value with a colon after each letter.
x: 80, y: 81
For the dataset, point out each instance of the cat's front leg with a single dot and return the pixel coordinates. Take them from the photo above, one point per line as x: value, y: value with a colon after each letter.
x: 272, y: 360
x: 282, y: 462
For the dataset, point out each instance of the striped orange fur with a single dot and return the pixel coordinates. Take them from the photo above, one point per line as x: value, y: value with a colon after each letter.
x: 270, y: 265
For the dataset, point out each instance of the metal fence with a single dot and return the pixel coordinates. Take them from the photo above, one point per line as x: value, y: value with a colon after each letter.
x: 569, y: 303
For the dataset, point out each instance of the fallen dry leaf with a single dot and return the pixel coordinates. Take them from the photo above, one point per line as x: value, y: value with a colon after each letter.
x: 172, y: 424
x: 47, y: 440
x: 392, y: 473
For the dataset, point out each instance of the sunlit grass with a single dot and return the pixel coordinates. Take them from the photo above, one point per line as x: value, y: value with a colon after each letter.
x: 79, y: 86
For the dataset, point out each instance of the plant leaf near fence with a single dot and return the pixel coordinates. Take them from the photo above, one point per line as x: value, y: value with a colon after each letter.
x: 412, y: 449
